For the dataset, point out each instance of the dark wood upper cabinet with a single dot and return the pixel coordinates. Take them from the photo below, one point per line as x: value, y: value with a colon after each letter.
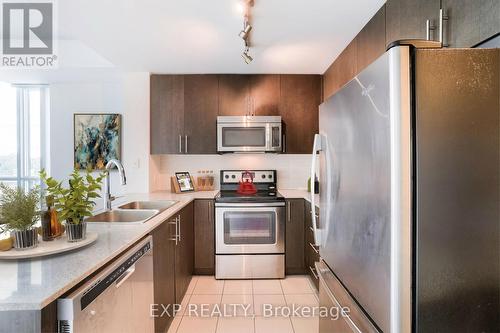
x: 341, y: 71
x: 405, y: 19
x: 241, y: 95
x: 184, y: 252
x: 200, y: 114
x: 464, y: 22
x: 234, y: 93
x: 163, y: 271
x: 184, y: 114
x: 489, y: 23
x: 371, y: 41
x: 167, y: 113
x: 184, y: 108
x: 204, y: 234
x: 264, y: 94
x: 294, y: 238
x: 470, y: 22
x: 300, y: 98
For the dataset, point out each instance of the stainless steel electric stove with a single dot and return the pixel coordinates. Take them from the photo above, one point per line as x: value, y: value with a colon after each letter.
x: 249, y: 227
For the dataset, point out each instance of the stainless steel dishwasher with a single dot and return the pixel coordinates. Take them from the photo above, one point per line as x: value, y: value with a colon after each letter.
x: 117, y: 299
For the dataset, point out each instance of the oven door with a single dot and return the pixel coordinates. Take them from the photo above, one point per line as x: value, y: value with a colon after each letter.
x: 250, y: 228
x: 249, y: 137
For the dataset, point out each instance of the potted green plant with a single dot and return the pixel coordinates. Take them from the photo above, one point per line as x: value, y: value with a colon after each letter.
x: 75, y: 203
x: 19, y: 212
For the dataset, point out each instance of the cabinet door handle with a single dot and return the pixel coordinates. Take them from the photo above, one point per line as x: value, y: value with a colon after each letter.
x: 178, y: 219
x: 314, y: 248
x: 442, y: 17
x: 175, y: 238
x: 288, y: 211
x: 317, y: 216
x: 180, y: 144
x: 185, y: 144
x: 313, y: 271
x: 428, y: 28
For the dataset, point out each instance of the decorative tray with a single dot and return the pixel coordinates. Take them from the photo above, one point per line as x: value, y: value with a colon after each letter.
x: 56, y: 246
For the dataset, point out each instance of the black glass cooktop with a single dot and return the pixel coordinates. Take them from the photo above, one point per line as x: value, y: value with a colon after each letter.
x: 233, y: 196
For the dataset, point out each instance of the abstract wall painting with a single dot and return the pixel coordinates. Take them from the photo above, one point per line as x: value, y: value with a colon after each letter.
x: 97, y: 140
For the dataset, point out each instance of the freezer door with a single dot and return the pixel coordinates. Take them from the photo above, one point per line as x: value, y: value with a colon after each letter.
x: 344, y: 315
x: 365, y: 189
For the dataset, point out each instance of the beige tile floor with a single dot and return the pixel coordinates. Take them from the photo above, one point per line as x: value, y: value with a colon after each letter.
x: 252, y: 293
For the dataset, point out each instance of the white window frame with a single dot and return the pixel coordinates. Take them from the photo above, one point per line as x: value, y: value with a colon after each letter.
x: 23, y: 178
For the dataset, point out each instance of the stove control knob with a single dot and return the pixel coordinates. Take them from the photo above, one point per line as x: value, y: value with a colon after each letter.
x: 263, y: 176
x: 226, y: 176
x: 233, y: 176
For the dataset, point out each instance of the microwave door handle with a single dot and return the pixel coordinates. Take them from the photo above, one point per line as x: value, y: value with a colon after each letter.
x: 316, y: 148
x: 284, y: 143
x: 269, y: 134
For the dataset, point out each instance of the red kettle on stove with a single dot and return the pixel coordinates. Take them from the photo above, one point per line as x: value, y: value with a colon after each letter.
x: 246, y: 185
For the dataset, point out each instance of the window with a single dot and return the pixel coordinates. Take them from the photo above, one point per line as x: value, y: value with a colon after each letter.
x: 22, y: 137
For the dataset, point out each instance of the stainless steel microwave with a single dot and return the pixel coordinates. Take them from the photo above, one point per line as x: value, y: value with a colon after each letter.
x: 249, y: 134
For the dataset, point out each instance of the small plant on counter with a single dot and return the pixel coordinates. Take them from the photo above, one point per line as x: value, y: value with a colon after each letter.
x: 75, y: 203
x: 19, y: 213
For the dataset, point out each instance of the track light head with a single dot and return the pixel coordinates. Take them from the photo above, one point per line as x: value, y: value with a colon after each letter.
x: 244, y: 33
x: 248, y: 59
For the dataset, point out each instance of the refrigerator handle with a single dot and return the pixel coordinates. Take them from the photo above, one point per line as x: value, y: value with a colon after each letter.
x: 316, y: 148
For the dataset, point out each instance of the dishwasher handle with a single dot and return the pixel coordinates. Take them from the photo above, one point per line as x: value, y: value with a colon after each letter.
x: 124, y: 277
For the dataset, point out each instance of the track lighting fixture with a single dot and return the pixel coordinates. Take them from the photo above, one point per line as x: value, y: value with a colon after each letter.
x: 245, y: 33
x: 248, y: 59
x: 247, y: 27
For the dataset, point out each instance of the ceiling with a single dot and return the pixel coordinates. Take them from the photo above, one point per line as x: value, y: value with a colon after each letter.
x: 201, y: 36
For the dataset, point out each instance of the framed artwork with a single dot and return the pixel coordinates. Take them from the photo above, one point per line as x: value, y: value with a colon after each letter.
x: 184, y: 181
x: 97, y: 139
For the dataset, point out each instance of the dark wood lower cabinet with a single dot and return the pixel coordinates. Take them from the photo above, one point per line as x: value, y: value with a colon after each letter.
x: 294, y: 252
x: 49, y: 318
x: 173, y: 263
x: 184, y: 252
x: 164, y: 271
x: 204, y: 234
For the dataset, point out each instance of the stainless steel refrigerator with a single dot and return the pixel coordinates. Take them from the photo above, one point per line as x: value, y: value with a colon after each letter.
x: 409, y: 194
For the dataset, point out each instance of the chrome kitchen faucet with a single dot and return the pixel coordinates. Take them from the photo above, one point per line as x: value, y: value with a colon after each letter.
x: 107, y: 196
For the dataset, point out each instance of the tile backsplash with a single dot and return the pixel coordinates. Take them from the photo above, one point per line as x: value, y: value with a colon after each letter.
x: 293, y: 170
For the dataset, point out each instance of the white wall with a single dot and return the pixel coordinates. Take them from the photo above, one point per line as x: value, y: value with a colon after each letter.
x: 293, y: 170
x: 127, y: 95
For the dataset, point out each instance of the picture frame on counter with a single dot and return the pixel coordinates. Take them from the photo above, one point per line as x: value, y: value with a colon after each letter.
x: 183, y: 182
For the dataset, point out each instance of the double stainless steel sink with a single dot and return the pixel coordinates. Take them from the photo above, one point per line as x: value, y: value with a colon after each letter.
x: 133, y: 212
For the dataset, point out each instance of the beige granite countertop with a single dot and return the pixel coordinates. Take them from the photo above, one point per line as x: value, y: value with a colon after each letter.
x: 32, y: 284
x: 299, y: 194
